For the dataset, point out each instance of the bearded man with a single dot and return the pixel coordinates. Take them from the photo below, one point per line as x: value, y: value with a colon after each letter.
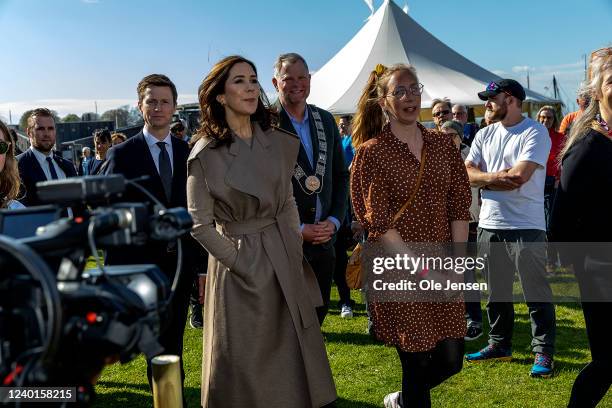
x: 507, y: 161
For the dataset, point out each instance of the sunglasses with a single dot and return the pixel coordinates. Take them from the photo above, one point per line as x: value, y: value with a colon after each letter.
x: 4, y: 147
x: 441, y: 113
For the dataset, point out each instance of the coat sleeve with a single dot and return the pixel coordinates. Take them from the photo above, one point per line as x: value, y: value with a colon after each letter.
x: 200, y: 204
x: 340, y: 178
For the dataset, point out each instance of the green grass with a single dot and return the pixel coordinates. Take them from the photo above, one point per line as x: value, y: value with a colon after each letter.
x: 365, y: 370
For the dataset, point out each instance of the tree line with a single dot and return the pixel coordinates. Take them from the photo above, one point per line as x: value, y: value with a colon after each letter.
x: 122, y: 116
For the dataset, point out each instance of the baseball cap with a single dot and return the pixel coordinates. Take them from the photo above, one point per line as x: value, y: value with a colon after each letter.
x: 509, y: 86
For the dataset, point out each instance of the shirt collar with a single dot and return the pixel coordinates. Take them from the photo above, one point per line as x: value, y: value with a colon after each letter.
x: 294, y: 120
x: 40, y: 155
x: 152, y: 140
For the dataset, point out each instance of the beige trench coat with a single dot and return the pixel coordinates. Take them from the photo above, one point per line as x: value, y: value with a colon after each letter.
x: 262, y: 343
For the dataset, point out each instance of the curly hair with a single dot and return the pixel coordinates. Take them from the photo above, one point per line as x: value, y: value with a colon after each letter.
x: 212, y: 114
x: 9, y: 176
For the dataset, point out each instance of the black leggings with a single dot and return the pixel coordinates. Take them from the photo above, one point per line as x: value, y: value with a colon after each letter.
x: 594, y: 380
x: 423, y: 371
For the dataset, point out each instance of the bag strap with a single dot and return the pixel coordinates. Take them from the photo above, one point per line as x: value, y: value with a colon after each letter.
x: 416, y: 188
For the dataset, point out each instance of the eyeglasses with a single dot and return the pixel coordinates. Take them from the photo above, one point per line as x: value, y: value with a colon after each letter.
x: 460, y: 113
x: 401, y: 91
x: 441, y: 113
x: 4, y: 147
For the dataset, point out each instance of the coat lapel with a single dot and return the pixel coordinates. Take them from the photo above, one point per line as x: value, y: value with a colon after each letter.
x: 249, y: 164
x: 38, y: 172
x: 179, y: 171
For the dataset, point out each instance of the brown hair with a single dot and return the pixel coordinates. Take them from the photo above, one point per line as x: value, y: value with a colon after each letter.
x: 104, y: 135
x: 445, y: 101
x: 212, y: 114
x: 118, y: 136
x: 9, y: 176
x: 369, y: 118
x: 155, y: 80
x: 44, y: 112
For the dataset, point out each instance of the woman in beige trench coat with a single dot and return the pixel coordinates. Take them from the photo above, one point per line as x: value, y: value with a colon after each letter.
x: 262, y: 343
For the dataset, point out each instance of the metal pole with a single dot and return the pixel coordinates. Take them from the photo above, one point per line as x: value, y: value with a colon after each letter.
x: 167, y: 390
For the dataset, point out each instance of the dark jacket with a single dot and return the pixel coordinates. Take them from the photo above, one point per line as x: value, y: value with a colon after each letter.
x: 133, y: 159
x: 334, y: 194
x: 31, y: 173
x: 581, y: 211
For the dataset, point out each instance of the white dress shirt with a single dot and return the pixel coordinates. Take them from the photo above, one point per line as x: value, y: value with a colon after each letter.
x: 155, y: 150
x: 42, y: 160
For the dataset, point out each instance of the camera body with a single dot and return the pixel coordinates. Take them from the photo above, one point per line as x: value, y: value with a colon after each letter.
x: 61, y: 322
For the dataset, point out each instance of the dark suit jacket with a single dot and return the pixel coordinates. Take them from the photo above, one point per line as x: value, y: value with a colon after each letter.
x: 96, y: 167
x: 133, y: 159
x: 31, y: 173
x: 334, y: 194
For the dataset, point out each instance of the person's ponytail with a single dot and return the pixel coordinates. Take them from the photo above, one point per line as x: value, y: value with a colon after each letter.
x: 369, y: 118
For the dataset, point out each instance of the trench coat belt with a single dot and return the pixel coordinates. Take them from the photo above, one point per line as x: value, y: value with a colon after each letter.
x: 248, y: 227
x: 291, y: 246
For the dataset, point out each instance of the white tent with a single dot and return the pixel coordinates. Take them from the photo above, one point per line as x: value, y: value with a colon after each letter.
x: 389, y: 37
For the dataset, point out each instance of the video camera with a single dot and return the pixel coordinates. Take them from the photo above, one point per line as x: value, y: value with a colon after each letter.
x: 61, y: 322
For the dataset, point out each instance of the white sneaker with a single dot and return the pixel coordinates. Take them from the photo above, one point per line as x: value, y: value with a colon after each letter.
x: 346, y: 312
x: 393, y: 400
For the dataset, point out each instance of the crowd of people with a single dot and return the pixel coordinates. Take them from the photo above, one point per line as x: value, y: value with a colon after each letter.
x: 280, y: 192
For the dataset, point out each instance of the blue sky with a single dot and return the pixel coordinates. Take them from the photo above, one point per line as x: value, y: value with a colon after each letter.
x: 66, y: 54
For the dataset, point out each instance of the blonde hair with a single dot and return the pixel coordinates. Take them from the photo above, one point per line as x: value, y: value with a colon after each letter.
x: 370, y: 118
x: 601, y: 60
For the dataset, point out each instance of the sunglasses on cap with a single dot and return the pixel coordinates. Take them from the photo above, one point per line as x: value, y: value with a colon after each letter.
x: 494, y: 87
x: 4, y: 146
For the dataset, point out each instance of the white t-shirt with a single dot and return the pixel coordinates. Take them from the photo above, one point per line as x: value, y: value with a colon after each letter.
x: 497, y: 148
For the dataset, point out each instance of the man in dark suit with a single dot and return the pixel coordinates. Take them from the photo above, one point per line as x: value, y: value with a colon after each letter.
x: 155, y: 153
x: 39, y: 162
x: 320, y: 182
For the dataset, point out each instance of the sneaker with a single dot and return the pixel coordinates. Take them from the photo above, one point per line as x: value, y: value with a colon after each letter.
x: 196, y: 321
x: 490, y: 353
x: 542, y: 366
x: 346, y: 312
x: 474, y: 331
x: 393, y: 400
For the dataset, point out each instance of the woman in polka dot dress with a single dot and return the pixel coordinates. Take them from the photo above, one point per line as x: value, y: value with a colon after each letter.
x: 389, y: 142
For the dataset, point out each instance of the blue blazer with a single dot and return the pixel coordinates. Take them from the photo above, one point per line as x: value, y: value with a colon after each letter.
x: 31, y: 173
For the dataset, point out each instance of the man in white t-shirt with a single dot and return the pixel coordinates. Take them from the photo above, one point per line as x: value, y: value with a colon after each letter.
x: 508, y: 161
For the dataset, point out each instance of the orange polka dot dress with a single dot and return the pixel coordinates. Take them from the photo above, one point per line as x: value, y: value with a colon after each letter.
x: 384, y: 173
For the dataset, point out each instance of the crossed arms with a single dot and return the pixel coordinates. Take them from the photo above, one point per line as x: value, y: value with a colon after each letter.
x: 504, y: 180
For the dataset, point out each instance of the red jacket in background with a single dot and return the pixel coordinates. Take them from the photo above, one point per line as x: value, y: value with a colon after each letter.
x: 558, y: 140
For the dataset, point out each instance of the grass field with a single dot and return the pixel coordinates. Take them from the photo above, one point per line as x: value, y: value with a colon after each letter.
x: 365, y: 370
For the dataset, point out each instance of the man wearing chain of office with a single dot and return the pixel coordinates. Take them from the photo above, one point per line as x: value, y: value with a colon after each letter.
x: 320, y: 179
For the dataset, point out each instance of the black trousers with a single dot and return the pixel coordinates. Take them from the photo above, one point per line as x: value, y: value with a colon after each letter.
x: 171, y: 338
x: 595, y: 379
x: 422, y: 371
x: 322, y: 259
x: 344, y: 238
